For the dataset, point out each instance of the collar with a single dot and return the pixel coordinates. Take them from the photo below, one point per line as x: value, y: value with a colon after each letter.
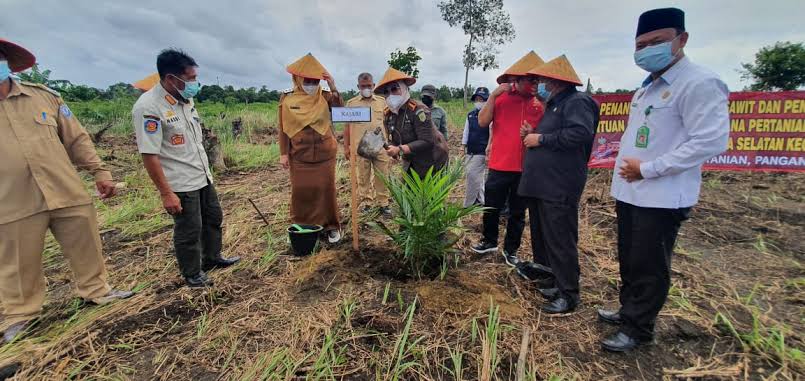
x: 17, y: 89
x: 165, y: 96
x: 560, y: 97
x: 671, y: 74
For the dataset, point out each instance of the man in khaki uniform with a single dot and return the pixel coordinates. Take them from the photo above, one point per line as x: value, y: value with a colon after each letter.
x: 371, y: 190
x: 169, y: 138
x: 40, y: 141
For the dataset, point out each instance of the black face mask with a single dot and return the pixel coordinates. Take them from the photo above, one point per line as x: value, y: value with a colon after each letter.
x: 428, y: 101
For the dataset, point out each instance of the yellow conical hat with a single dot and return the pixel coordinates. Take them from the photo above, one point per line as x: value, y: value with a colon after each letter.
x: 557, y: 68
x: 307, y: 67
x: 522, y: 66
x: 147, y: 83
x: 393, y: 75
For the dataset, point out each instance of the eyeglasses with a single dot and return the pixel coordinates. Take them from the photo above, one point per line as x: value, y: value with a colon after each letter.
x: 391, y: 88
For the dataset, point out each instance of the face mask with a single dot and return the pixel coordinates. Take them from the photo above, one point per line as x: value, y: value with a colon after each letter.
x: 5, y: 71
x: 479, y: 105
x: 191, y: 88
x: 655, y: 58
x: 310, y: 89
x: 428, y: 101
x: 543, y: 91
x: 366, y: 93
x: 394, y: 101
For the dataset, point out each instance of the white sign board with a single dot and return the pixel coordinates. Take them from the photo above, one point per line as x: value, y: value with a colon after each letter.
x: 352, y: 114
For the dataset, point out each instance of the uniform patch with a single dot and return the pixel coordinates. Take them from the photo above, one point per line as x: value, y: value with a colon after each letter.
x: 666, y: 94
x: 177, y: 139
x: 170, y: 114
x: 64, y: 110
x: 422, y: 117
x: 44, y: 116
x: 171, y: 100
x: 151, y: 126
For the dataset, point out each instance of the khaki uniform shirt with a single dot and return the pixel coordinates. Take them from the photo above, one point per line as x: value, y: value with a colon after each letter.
x: 439, y: 117
x: 356, y: 130
x: 40, y: 141
x: 171, y: 129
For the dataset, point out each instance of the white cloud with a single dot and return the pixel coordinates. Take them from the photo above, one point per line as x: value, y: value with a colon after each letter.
x: 248, y: 43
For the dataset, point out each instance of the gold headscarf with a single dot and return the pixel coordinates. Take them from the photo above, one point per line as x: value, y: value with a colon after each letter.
x: 300, y: 110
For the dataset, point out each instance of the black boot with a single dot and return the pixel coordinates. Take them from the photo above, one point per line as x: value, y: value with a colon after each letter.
x: 199, y: 280
x: 610, y: 317
x: 219, y: 263
x: 549, y: 293
x: 620, y: 342
x: 560, y: 305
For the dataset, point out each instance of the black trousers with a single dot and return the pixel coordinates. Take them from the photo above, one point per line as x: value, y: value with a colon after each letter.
x: 501, y: 187
x: 197, y: 230
x: 646, y: 238
x: 554, y: 241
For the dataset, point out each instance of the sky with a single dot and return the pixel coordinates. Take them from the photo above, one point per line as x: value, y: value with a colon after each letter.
x: 249, y: 42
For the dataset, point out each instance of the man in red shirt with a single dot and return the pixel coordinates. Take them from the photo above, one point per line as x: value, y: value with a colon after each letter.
x: 510, y: 107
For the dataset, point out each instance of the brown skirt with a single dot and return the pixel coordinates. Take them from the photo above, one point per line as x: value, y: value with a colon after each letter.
x: 313, y: 197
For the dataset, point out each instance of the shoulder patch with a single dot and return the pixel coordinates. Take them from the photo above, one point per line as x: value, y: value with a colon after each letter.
x: 421, y: 115
x: 151, y: 125
x: 65, y: 111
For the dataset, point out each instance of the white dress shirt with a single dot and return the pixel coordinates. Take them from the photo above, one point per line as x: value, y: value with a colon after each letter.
x: 686, y: 124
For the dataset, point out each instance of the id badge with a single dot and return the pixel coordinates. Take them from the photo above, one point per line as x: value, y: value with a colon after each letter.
x: 642, y: 137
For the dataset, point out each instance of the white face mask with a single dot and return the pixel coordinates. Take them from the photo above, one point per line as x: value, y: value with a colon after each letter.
x: 479, y: 105
x: 366, y: 93
x: 310, y: 89
x: 395, y: 101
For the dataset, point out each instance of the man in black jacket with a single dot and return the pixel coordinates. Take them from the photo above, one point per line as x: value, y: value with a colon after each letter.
x: 554, y: 175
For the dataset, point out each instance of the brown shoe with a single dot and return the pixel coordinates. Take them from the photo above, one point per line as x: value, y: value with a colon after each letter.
x: 111, y: 296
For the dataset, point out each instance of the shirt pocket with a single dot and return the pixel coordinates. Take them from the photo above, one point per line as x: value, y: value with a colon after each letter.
x: 46, y: 127
x: 177, y: 137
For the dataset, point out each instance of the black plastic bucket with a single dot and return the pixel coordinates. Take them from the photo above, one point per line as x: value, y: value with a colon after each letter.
x: 304, y: 238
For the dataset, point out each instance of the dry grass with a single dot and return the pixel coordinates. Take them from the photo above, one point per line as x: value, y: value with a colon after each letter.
x: 345, y: 315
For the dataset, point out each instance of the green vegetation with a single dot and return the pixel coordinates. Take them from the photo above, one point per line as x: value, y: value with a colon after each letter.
x: 429, y: 225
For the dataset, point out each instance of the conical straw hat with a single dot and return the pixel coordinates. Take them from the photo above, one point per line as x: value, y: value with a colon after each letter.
x: 522, y: 66
x: 393, y: 75
x: 557, y: 68
x: 19, y: 58
x: 147, y: 83
x: 307, y: 67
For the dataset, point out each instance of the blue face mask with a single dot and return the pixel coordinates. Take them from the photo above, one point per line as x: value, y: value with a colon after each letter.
x: 5, y: 71
x: 191, y: 88
x: 655, y: 58
x: 542, y: 91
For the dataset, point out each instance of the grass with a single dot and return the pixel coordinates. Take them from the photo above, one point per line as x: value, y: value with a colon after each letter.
x: 403, y: 348
x: 489, y: 344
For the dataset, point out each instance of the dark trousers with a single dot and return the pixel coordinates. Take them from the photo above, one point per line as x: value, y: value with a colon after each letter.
x: 554, y: 239
x: 197, y: 230
x: 501, y: 187
x: 646, y: 238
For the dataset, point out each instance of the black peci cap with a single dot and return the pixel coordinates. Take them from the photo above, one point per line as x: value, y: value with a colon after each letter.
x: 660, y: 18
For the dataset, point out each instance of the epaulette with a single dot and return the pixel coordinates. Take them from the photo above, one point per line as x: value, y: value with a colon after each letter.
x: 287, y: 91
x: 41, y: 86
x: 386, y: 110
x: 412, y: 104
x: 324, y: 88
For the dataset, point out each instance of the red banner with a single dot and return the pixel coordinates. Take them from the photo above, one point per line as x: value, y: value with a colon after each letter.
x: 767, y: 132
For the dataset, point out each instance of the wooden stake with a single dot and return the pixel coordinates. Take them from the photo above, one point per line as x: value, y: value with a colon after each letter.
x: 353, y: 179
x: 523, y: 353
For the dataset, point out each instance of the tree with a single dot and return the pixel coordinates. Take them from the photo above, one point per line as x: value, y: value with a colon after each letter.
x: 488, y: 27
x: 35, y: 75
x: 777, y: 67
x: 406, y: 61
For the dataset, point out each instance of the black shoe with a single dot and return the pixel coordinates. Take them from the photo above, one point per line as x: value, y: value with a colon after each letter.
x: 199, y: 280
x: 220, y: 263
x: 485, y: 247
x: 549, y: 293
x: 366, y: 209
x: 620, y: 342
x: 534, y: 272
x: 560, y: 305
x: 610, y: 317
x: 385, y: 212
x: 510, y: 258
